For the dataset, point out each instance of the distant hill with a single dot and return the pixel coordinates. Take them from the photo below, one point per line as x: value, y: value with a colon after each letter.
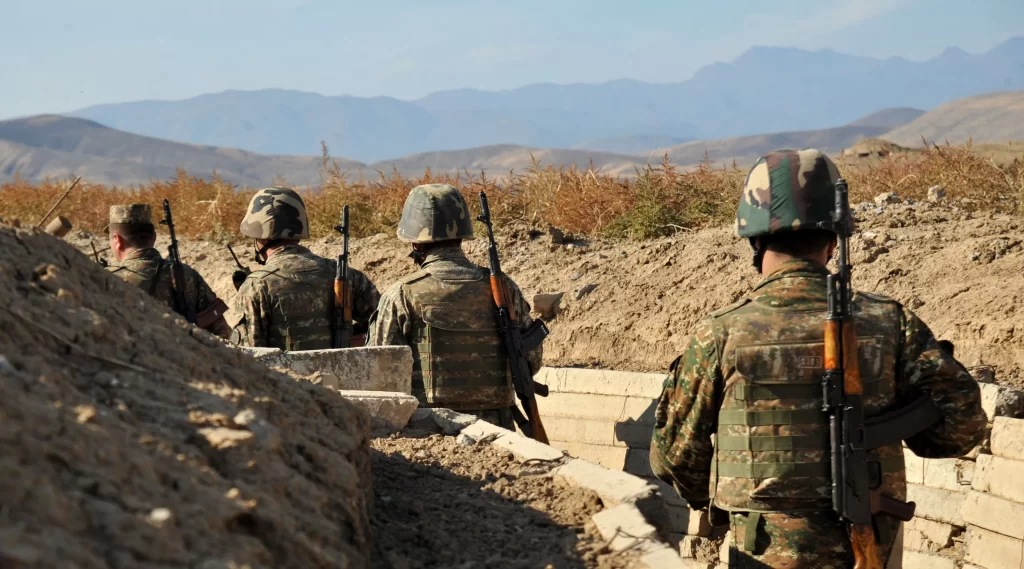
x: 890, y: 118
x: 996, y: 117
x: 499, y: 159
x: 766, y: 89
x: 745, y: 150
x: 632, y: 144
x: 54, y: 146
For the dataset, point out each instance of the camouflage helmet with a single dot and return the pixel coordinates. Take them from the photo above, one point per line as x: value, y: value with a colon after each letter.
x: 276, y: 213
x: 787, y: 190
x: 435, y: 212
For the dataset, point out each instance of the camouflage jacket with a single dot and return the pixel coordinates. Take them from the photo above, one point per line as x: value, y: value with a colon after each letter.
x: 394, y: 321
x: 146, y: 269
x: 288, y: 303
x: 706, y: 381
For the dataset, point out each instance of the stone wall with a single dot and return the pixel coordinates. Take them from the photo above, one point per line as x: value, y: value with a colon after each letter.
x: 970, y: 511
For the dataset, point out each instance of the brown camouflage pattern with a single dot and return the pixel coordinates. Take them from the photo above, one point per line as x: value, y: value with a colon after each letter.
x: 435, y: 212
x: 276, y: 213
x: 140, y: 267
x: 903, y: 358
x: 133, y: 214
x: 787, y: 190
x: 288, y: 303
x: 454, y: 294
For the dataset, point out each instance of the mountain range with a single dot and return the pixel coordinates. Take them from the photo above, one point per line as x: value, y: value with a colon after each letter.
x: 767, y: 89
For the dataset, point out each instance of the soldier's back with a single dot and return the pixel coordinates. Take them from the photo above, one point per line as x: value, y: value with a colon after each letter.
x: 294, y: 291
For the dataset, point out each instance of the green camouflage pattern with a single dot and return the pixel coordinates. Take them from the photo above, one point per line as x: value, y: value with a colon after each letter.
x: 809, y: 540
x: 288, y: 303
x: 276, y: 213
x: 131, y: 214
x: 902, y: 359
x: 141, y: 266
x: 787, y: 190
x: 435, y: 212
x: 445, y: 312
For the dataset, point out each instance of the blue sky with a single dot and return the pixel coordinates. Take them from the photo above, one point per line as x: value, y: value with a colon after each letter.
x: 61, y: 55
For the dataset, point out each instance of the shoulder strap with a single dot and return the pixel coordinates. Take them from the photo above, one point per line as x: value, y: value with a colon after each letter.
x: 156, y: 278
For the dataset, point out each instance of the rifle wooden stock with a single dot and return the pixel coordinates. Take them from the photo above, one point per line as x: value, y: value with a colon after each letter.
x: 865, y: 549
x: 536, y: 427
x: 852, y: 384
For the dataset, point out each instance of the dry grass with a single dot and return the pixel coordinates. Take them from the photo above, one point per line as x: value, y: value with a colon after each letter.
x: 660, y: 200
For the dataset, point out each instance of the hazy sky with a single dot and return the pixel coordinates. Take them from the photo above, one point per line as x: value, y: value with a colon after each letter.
x: 61, y: 55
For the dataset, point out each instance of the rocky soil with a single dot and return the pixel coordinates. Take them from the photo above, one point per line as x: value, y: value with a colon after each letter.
x: 631, y: 306
x: 442, y: 504
x: 131, y: 440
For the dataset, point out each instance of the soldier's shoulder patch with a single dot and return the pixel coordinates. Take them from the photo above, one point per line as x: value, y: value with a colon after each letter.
x: 876, y: 297
x: 727, y: 309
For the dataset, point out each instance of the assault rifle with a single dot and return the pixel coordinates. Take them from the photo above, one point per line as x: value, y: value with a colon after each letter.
x: 342, y: 290
x: 517, y: 342
x: 96, y: 255
x: 177, y: 270
x: 851, y: 435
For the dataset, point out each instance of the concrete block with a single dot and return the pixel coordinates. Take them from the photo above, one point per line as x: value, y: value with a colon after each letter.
x: 452, y: 422
x: 672, y: 498
x: 915, y: 467
x: 952, y: 474
x: 994, y: 514
x: 999, y: 476
x: 603, y: 382
x: 1008, y: 438
x: 482, y: 429
x: 666, y: 558
x: 638, y: 461
x: 598, y: 407
x: 937, y: 534
x: 379, y: 368
x: 937, y: 504
x: 614, y: 487
x: 387, y: 409
x: 607, y: 456
x: 526, y: 448
x: 918, y: 560
x: 623, y: 526
x: 580, y: 430
x: 1001, y: 401
x: 693, y: 524
x: 992, y: 550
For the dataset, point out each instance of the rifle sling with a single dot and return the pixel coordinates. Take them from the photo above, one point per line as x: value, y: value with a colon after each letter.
x: 156, y: 279
x: 521, y: 421
x: 900, y: 423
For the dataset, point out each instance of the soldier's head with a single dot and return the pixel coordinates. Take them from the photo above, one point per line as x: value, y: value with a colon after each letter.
x: 276, y: 217
x: 787, y: 194
x: 435, y: 215
x: 130, y: 228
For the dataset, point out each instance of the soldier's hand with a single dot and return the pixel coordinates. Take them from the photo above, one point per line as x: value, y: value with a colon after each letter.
x: 238, y: 277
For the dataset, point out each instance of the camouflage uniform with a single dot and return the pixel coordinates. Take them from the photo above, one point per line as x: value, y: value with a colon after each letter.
x: 445, y: 312
x: 146, y: 269
x: 289, y: 302
x: 740, y: 422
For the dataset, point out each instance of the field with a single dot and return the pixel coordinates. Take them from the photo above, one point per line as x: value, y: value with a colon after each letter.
x: 658, y: 201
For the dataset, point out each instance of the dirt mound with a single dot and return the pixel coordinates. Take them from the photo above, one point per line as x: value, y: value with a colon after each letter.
x: 873, y: 147
x: 441, y: 504
x: 631, y: 306
x: 131, y: 439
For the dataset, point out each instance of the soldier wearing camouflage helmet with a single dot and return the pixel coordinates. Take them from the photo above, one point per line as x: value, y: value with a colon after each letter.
x: 138, y: 263
x: 751, y: 377
x: 445, y: 312
x: 288, y: 302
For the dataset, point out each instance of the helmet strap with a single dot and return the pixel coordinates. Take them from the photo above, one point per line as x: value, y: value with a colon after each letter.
x: 758, y: 247
x: 417, y: 257
x: 260, y: 253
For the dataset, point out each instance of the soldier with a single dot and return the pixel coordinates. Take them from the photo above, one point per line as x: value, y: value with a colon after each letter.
x: 288, y: 303
x: 445, y: 312
x: 751, y: 376
x: 138, y: 263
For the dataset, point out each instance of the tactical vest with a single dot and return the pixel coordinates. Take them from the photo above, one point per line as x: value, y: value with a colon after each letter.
x: 772, y: 444
x: 300, y: 311
x: 459, y: 359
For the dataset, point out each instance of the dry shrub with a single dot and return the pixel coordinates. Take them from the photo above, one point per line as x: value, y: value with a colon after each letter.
x: 659, y: 200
